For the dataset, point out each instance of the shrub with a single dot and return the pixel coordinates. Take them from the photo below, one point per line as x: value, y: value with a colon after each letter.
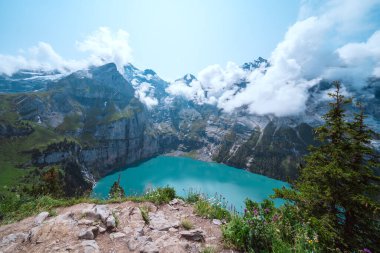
x: 264, y: 228
x: 208, y: 250
x: 193, y: 196
x: 212, y: 210
x: 160, y: 195
x: 186, y: 224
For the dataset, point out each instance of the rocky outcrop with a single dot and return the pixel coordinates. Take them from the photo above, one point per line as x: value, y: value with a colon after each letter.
x: 19, y: 130
x: 87, y: 228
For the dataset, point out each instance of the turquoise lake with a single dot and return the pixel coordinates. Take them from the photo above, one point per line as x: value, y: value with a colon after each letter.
x: 185, y: 174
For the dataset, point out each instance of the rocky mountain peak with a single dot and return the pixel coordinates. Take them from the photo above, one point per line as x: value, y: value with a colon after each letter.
x: 259, y: 62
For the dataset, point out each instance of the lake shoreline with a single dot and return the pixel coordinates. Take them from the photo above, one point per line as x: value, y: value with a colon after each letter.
x: 187, y: 173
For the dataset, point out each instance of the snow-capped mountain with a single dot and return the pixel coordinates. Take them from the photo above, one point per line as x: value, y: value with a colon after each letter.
x: 123, y: 118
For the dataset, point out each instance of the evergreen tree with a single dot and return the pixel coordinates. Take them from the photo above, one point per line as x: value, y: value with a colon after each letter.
x: 116, y: 190
x: 336, y: 188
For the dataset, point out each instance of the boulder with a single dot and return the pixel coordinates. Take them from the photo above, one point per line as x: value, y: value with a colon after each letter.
x: 149, y: 247
x: 117, y: 235
x: 193, y: 235
x: 90, y: 246
x: 89, y: 233
x: 132, y: 244
x: 102, y: 212
x: 217, y: 222
x: 9, y: 241
x: 111, y: 222
x: 159, y: 222
x: 40, y: 218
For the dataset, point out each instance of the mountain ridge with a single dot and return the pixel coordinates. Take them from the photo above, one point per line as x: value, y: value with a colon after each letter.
x: 116, y: 119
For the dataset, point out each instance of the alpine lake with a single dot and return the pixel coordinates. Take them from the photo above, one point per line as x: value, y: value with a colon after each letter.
x: 217, y: 182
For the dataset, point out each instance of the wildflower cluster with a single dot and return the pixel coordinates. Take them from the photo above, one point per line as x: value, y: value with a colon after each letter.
x: 264, y: 228
x: 212, y: 208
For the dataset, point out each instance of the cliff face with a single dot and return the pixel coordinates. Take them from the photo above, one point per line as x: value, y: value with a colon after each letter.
x: 106, y: 117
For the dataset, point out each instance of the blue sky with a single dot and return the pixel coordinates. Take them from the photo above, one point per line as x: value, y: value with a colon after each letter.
x: 170, y: 36
x: 305, y: 41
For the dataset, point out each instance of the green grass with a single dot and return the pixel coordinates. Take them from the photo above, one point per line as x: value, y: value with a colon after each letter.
x: 208, y: 250
x: 160, y: 195
x: 145, y: 214
x: 186, y: 224
x: 9, y: 174
x: 205, y: 208
x: 124, y: 114
x: 14, y: 207
x: 14, y: 154
x: 70, y: 123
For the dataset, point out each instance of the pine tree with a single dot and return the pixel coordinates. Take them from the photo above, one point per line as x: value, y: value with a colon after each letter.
x: 335, y: 189
x: 361, y: 208
x: 116, y: 190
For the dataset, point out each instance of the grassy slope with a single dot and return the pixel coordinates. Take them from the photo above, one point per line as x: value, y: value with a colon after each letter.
x: 14, y: 154
x: 14, y: 151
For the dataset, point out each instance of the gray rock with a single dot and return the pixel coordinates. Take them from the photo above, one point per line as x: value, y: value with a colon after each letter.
x: 217, y: 222
x: 117, y: 235
x: 85, y: 222
x: 173, y: 249
x: 139, y: 231
x: 111, y: 222
x: 176, y: 202
x: 159, y: 222
x: 173, y: 230
x: 193, y: 235
x: 144, y: 239
x: 89, y: 233
x: 102, y: 212
x: 40, y: 218
x: 101, y: 229
x: 90, y: 213
x: 13, y: 239
x: 132, y: 244
x: 90, y: 246
x: 149, y: 247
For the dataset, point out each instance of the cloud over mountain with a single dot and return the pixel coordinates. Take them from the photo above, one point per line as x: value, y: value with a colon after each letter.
x: 325, y: 43
x: 102, y: 45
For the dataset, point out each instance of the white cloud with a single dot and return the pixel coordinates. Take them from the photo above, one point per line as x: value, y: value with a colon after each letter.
x: 321, y: 45
x: 145, y: 93
x: 108, y: 47
x: 103, y: 47
x: 192, y: 91
x: 213, y: 82
x: 366, y: 54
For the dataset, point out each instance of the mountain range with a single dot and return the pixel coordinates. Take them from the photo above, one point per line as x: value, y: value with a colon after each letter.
x: 94, y: 121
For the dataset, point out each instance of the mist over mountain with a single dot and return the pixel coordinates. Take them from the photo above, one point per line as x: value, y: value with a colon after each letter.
x: 124, y: 118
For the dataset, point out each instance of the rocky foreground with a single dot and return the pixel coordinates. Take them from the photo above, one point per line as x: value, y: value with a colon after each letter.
x: 122, y: 227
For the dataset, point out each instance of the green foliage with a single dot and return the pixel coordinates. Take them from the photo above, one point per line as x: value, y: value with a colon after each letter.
x: 117, y: 221
x: 264, y: 228
x: 193, y: 196
x: 160, y: 195
x: 116, y: 191
x: 14, y: 206
x: 186, y: 224
x: 51, y: 183
x: 337, y: 189
x: 70, y: 123
x: 145, y: 214
x: 212, y: 208
x: 208, y: 250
